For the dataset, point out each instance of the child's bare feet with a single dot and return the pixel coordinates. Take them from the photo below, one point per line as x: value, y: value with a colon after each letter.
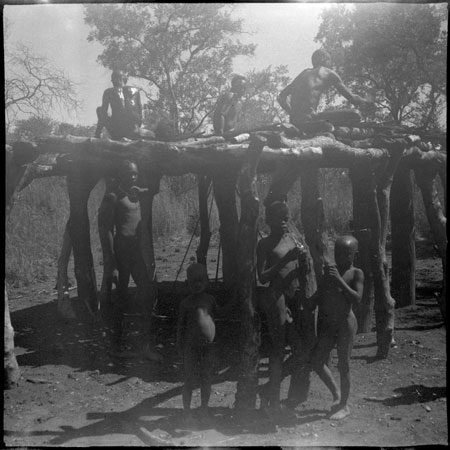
x: 340, y: 413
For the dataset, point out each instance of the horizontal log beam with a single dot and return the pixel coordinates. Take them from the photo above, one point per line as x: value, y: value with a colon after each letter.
x: 204, y: 155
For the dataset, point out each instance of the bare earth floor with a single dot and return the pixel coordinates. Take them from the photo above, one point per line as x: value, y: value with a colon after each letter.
x: 73, y: 393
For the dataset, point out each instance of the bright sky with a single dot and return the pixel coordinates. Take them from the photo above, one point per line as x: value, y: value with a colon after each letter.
x: 284, y: 34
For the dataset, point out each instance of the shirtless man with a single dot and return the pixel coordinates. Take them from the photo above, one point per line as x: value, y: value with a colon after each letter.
x: 280, y: 262
x: 126, y: 111
x: 301, y: 98
x: 195, y: 334
x: 341, y: 291
x: 229, y: 106
x: 120, y: 211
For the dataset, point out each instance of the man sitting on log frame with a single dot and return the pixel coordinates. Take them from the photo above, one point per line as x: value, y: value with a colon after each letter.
x: 126, y: 111
x: 300, y: 99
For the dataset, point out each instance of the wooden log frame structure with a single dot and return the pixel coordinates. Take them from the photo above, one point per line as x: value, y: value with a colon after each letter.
x: 84, y: 161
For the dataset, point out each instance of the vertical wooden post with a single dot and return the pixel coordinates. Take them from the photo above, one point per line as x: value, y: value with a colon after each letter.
x: 80, y: 183
x: 152, y: 181
x: 225, y: 196
x: 313, y: 217
x: 403, y: 238
x: 426, y: 180
x: 250, y: 327
x: 360, y: 178
x: 379, y: 210
x: 62, y: 281
x: 203, y: 182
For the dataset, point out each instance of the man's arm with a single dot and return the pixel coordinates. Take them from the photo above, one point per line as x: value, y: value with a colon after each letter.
x: 283, y: 99
x: 337, y: 82
x: 102, y: 112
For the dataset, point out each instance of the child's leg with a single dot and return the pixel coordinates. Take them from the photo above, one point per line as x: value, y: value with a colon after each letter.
x: 325, y: 344
x: 344, y: 350
x: 276, y: 321
x: 190, y: 362
x: 206, y: 366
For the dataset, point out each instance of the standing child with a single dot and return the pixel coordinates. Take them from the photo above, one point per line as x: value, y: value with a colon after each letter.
x: 282, y: 262
x: 341, y: 290
x: 195, y: 334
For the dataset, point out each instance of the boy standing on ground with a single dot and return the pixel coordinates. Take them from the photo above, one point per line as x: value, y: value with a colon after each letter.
x: 341, y: 290
x: 119, y: 220
x: 281, y: 260
x: 195, y: 334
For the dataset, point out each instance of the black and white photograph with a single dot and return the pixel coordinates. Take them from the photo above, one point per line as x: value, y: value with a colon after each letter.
x: 225, y: 224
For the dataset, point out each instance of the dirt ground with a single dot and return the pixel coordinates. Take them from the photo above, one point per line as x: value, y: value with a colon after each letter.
x: 73, y: 393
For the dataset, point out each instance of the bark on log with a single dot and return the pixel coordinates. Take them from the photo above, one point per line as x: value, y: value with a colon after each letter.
x: 11, y: 371
x: 360, y: 178
x: 80, y: 182
x: 224, y: 184
x: 403, y: 238
x: 250, y: 327
x: 426, y: 180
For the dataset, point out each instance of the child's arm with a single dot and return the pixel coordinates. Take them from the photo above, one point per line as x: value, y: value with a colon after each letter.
x: 353, y: 294
x: 267, y: 274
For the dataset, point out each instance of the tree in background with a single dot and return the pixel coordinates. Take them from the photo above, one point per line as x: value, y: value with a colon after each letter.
x: 397, y: 51
x: 33, y: 86
x: 32, y: 128
x: 260, y: 105
x: 184, y: 51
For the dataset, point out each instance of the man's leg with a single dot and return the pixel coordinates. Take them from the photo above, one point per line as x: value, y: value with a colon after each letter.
x: 206, y: 368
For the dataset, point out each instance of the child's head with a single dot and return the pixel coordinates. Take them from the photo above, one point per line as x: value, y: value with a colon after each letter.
x: 277, y: 216
x: 197, y: 278
x: 128, y: 173
x: 345, y: 249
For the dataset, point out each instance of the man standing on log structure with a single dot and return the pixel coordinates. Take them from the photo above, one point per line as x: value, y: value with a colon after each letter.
x: 126, y: 111
x: 120, y: 210
x: 300, y: 99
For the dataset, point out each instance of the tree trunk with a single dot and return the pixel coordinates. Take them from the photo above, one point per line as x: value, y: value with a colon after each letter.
x: 360, y: 178
x: 224, y: 192
x: 80, y: 182
x: 426, y: 180
x: 250, y: 326
x: 204, y: 183
x: 403, y: 238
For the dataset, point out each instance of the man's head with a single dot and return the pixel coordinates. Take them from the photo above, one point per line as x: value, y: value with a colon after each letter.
x: 277, y: 217
x: 197, y: 278
x: 118, y: 78
x: 238, y: 84
x: 128, y: 173
x: 321, y: 58
x: 345, y: 249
